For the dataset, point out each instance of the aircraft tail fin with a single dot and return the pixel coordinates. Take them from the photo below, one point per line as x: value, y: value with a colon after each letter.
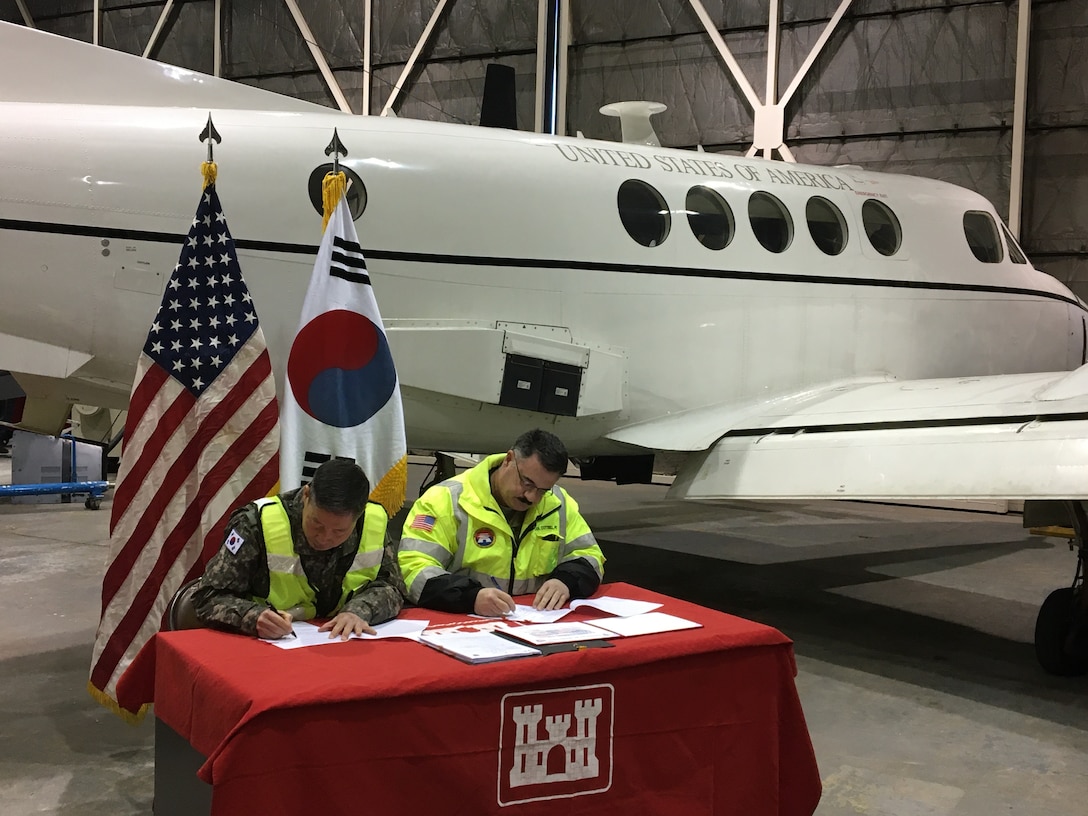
x: 499, y: 105
x: 43, y: 67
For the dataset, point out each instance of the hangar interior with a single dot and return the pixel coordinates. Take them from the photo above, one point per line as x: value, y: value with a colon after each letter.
x: 912, y: 627
x: 986, y: 94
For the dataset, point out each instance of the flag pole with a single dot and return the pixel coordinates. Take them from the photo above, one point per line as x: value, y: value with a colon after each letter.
x: 334, y: 184
x: 201, y: 437
x: 212, y: 137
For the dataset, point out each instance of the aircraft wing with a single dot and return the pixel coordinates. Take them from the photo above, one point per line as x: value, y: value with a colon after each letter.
x: 1012, y: 436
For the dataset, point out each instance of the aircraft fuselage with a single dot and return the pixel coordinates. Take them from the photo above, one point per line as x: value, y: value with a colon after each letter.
x: 472, y: 233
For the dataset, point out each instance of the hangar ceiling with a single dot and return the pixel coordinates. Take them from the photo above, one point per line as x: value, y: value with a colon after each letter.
x: 926, y: 87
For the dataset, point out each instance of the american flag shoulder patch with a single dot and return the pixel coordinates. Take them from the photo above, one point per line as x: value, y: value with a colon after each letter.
x: 422, y: 522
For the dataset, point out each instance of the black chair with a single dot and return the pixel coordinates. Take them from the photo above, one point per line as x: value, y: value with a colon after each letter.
x: 181, y: 614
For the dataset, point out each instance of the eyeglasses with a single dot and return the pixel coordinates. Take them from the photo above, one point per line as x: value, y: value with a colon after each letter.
x: 528, y: 485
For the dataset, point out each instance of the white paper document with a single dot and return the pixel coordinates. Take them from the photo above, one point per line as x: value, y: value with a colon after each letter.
x: 647, y: 624
x: 620, y: 607
x: 478, y: 647
x: 525, y: 613
x: 543, y: 634
x: 308, y: 634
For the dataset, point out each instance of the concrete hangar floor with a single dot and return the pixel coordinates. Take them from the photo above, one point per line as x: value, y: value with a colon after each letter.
x: 912, y: 629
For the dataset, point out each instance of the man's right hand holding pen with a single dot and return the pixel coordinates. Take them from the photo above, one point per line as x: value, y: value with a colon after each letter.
x: 493, y: 602
x: 273, y: 624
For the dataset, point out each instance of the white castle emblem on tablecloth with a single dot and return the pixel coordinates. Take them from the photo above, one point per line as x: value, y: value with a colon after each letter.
x: 531, y: 752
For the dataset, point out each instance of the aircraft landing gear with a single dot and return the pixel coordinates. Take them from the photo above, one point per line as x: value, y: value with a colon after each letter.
x: 1061, y: 629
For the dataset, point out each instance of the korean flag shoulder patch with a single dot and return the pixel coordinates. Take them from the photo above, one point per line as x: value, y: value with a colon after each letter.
x: 233, y: 542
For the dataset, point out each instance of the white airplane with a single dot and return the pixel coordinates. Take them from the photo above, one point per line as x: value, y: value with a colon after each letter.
x: 775, y: 330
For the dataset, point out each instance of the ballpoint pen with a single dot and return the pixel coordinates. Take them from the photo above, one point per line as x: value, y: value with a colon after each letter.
x: 498, y: 586
x: 292, y: 633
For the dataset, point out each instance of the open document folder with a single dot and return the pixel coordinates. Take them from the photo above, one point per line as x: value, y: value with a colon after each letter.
x: 308, y: 634
x: 477, y: 647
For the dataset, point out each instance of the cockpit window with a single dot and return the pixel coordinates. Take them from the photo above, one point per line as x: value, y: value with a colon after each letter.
x: 982, y: 237
x: 1016, y: 255
x: 643, y: 212
x: 710, y: 218
x: 826, y: 225
x: 881, y: 227
x: 770, y: 221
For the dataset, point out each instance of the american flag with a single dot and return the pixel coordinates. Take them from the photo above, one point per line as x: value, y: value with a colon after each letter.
x: 201, y: 437
x: 422, y: 522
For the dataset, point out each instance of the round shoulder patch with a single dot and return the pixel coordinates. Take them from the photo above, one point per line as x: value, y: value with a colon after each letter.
x: 484, y: 537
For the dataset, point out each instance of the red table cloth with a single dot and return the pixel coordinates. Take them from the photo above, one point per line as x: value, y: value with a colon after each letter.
x: 700, y: 721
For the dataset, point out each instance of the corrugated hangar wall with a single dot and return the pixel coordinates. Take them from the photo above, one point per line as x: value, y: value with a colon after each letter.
x: 906, y: 86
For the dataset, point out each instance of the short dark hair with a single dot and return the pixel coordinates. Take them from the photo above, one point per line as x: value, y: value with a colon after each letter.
x: 547, y: 446
x: 340, y: 486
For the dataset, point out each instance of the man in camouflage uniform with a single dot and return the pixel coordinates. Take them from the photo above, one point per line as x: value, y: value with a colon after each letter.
x: 349, y: 564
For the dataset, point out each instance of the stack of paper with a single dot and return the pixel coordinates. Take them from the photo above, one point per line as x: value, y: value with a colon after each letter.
x: 620, y: 607
x: 647, y: 624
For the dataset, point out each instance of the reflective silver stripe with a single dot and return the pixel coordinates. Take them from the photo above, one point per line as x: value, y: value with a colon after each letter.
x: 483, y: 578
x: 530, y: 585
x: 262, y: 502
x: 569, y: 550
x: 421, y: 579
x: 300, y: 613
x: 562, y: 512
x: 520, y: 587
x: 366, y: 560
x: 288, y: 564
x: 435, y: 551
x: 460, y: 518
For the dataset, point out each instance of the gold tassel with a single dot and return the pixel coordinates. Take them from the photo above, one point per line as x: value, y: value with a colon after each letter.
x: 332, y: 187
x: 391, y: 489
x: 209, y: 170
x: 103, y: 699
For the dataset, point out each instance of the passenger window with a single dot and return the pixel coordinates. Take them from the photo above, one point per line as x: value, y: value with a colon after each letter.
x: 710, y: 218
x: 1016, y: 255
x: 770, y: 221
x: 881, y: 227
x: 643, y: 212
x: 982, y: 237
x: 826, y: 225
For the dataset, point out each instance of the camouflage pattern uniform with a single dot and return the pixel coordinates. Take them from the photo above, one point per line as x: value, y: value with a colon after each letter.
x: 224, y: 598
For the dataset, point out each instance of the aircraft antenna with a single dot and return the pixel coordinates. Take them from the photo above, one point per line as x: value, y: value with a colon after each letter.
x: 336, y: 149
x: 210, y: 135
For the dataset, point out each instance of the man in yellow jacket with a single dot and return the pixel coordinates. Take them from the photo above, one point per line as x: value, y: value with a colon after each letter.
x: 309, y: 552
x: 501, y: 529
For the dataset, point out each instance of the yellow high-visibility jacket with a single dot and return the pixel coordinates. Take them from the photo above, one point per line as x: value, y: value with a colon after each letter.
x: 457, y: 527
x: 288, y: 587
